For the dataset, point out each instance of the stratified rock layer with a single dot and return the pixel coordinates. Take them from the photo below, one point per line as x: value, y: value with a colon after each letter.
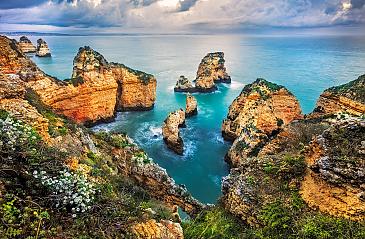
x: 42, y: 49
x: 211, y: 70
x: 170, y: 131
x: 95, y: 91
x: 349, y: 98
x: 191, y: 106
x: 26, y: 45
x: 258, y: 113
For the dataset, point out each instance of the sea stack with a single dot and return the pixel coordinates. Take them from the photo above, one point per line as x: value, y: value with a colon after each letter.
x: 26, y: 45
x: 42, y: 49
x: 258, y: 113
x: 191, y: 106
x: 211, y: 70
x: 183, y: 84
x: 171, y: 133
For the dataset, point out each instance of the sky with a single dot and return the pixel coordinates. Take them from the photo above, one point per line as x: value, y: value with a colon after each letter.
x: 182, y: 16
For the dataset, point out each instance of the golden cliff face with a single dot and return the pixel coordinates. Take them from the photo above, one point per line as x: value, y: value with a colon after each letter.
x: 334, y: 181
x: 260, y: 111
x: 26, y: 45
x: 137, y: 89
x: 93, y: 93
x: 349, y: 98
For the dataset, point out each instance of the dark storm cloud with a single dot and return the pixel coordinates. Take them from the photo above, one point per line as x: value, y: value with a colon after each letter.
x: 185, y: 5
x: 357, y: 3
x: 9, y: 4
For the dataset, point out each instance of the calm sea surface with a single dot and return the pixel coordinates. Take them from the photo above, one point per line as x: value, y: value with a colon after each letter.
x: 305, y: 65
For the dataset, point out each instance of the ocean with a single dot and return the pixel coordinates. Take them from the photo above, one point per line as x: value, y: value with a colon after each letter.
x: 306, y: 65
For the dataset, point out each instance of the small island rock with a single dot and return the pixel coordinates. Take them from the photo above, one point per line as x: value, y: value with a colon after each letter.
x: 26, y: 45
x: 183, y: 84
x: 170, y: 131
x: 42, y: 49
x: 191, y: 106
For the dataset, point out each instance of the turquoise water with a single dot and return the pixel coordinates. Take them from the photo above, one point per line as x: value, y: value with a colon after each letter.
x: 305, y: 65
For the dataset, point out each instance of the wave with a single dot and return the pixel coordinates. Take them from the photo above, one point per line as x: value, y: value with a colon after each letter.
x: 235, y: 85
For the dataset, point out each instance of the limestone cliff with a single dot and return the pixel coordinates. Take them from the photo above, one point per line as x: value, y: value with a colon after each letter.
x: 26, y: 45
x: 259, y: 112
x: 334, y: 182
x: 42, y: 49
x: 211, y: 70
x: 349, y: 98
x: 191, y: 106
x: 95, y: 91
x: 171, y: 133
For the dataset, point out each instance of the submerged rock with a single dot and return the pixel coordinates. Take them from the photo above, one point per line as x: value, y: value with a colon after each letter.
x: 96, y: 90
x: 258, y: 113
x: 191, y: 106
x: 349, y: 98
x: 211, y: 70
x: 170, y: 131
x: 184, y: 85
x: 26, y: 45
x: 42, y: 49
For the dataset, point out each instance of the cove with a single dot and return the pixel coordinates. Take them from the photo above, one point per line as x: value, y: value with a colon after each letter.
x: 305, y: 65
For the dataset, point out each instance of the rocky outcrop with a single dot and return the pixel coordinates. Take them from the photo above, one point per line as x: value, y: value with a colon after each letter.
x: 158, y: 230
x: 137, y: 88
x: 184, y: 85
x: 42, y: 49
x: 171, y: 133
x: 191, y: 106
x: 335, y: 180
x: 258, y: 113
x: 211, y: 70
x: 349, y: 98
x: 26, y: 45
x: 96, y: 90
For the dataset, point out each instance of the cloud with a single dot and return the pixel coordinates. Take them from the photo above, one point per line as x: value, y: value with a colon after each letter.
x: 183, y: 15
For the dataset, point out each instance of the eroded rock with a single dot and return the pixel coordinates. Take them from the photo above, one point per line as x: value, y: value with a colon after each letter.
x: 42, y: 49
x: 170, y: 131
x: 158, y: 230
x: 183, y: 84
x: 26, y: 45
x: 258, y: 113
x: 191, y: 106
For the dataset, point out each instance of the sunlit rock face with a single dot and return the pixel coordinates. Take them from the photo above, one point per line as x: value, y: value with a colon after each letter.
x: 191, y: 106
x: 335, y: 179
x: 26, y: 45
x: 42, y: 49
x: 171, y: 133
x: 96, y: 90
x: 164, y: 229
x: 259, y: 112
x: 211, y: 70
x: 348, y: 98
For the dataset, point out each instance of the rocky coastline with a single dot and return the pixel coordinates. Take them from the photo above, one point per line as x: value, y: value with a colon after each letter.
x: 289, y: 172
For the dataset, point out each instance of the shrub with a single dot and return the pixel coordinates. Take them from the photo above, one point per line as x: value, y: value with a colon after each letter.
x: 70, y: 190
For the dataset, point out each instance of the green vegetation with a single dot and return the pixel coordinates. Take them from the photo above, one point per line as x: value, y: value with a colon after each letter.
x: 214, y: 223
x: 62, y: 191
